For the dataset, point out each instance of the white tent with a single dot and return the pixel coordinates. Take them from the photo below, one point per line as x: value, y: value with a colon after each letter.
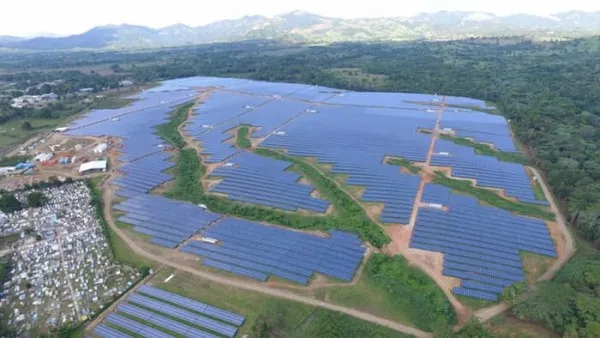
x: 94, y: 165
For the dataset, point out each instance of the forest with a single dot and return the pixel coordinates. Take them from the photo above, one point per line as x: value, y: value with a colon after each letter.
x: 548, y: 91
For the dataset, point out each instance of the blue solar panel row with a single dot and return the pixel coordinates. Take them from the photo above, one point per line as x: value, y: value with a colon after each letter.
x: 187, y: 303
x: 184, y: 315
x: 344, y: 131
x: 481, y: 127
x: 251, y: 178
x: 357, y: 146
x: 167, y: 221
x: 134, y: 327
x: 481, y: 244
x: 486, y: 170
x: 162, y: 321
x: 267, y: 250
x: 104, y: 331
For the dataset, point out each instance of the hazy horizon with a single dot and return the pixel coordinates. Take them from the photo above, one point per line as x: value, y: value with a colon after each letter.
x: 66, y: 17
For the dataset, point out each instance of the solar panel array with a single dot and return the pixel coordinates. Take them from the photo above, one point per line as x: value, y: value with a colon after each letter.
x: 481, y: 127
x: 193, y: 305
x: 144, y: 174
x: 486, y: 170
x: 103, y: 331
x: 255, y: 179
x: 171, y: 313
x: 356, y: 147
x: 257, y: 251
x: 166, y: 221
x: 481, y: 244
x: 341, y: 128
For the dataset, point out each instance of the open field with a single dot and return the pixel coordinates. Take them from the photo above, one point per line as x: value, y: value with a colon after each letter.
x: 266, y: 316
x: 12, y: 133
x: 390, y: 288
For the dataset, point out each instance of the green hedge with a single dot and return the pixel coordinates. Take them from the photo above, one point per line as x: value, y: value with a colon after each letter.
x: 189, y: 169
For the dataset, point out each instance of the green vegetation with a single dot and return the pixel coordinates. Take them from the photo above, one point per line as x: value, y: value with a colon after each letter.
x: 9, y: 203
x: 242, y: 138
x: 27, y: 126
x: 7, y: 240
x: 271, y: 317
x: 12, y: 132
x: 404, y: 164
x: 36, y: 199
x: 493, y: 199
x: 570, y: 303
x: 484, y: 149
x: 346, y: 208
x: 189, y: 170
x: 537, y: 191
x: 551, y: 102
x: 12, y: 161
x: 169, y: 130
x: 390, y: 288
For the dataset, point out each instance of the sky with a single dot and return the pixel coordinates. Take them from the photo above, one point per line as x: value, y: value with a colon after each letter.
x: 64, y: 17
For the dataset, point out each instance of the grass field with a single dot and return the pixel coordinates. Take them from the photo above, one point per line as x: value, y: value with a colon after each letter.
x: 483, y: 149
x: 11, y: 132
x: 8, y: 240
x: 405, y: 164
x: 390, y: 288
x: 491, y: 198
x: 270, y: 317
x: 189, y: 169
x: 535, y: 265
x: 242, y: 139
x: 168, y: 131
x: 537, y: 191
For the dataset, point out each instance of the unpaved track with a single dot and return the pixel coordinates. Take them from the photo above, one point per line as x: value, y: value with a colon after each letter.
x: 486, y: 314
x: 251, y: 286
x: 562, y: 226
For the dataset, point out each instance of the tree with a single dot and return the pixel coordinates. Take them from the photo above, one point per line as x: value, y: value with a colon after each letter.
x: 27, y: 126
x: 513, y: 293
x: 36, y: 199
x: 9, y: 203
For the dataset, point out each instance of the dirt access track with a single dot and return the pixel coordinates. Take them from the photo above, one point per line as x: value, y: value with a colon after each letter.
x: 107, y: 196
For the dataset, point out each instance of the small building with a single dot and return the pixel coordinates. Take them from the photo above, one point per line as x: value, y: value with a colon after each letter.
x: 7, y: 170
x: 86, y: 90
x: 61, y: 129
x: 126, y: 83
x: 92, y: 166
x: 43, y: 157
x: 100, y: 148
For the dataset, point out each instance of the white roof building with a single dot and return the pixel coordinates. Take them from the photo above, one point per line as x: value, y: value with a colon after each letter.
x: 93, y: 165
x: 43, y: 157
x: 100, y: 148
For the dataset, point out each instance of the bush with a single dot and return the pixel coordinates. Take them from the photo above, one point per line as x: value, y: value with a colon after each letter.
x: 36, y: 199
x: 27, y: 126
x: 9, y: 203
x: 425, y: 303
x: 242, y: 139
x: 189, y: 169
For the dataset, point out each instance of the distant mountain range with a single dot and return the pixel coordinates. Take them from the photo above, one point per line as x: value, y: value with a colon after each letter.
x: 303, y: 27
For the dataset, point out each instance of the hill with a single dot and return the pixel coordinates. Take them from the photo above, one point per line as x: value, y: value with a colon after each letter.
x: 306, y: 27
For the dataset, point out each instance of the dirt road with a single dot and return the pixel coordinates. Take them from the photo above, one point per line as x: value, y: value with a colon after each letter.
x: 488, y: 313
x: 251, y: 286
x: 562, y: 225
